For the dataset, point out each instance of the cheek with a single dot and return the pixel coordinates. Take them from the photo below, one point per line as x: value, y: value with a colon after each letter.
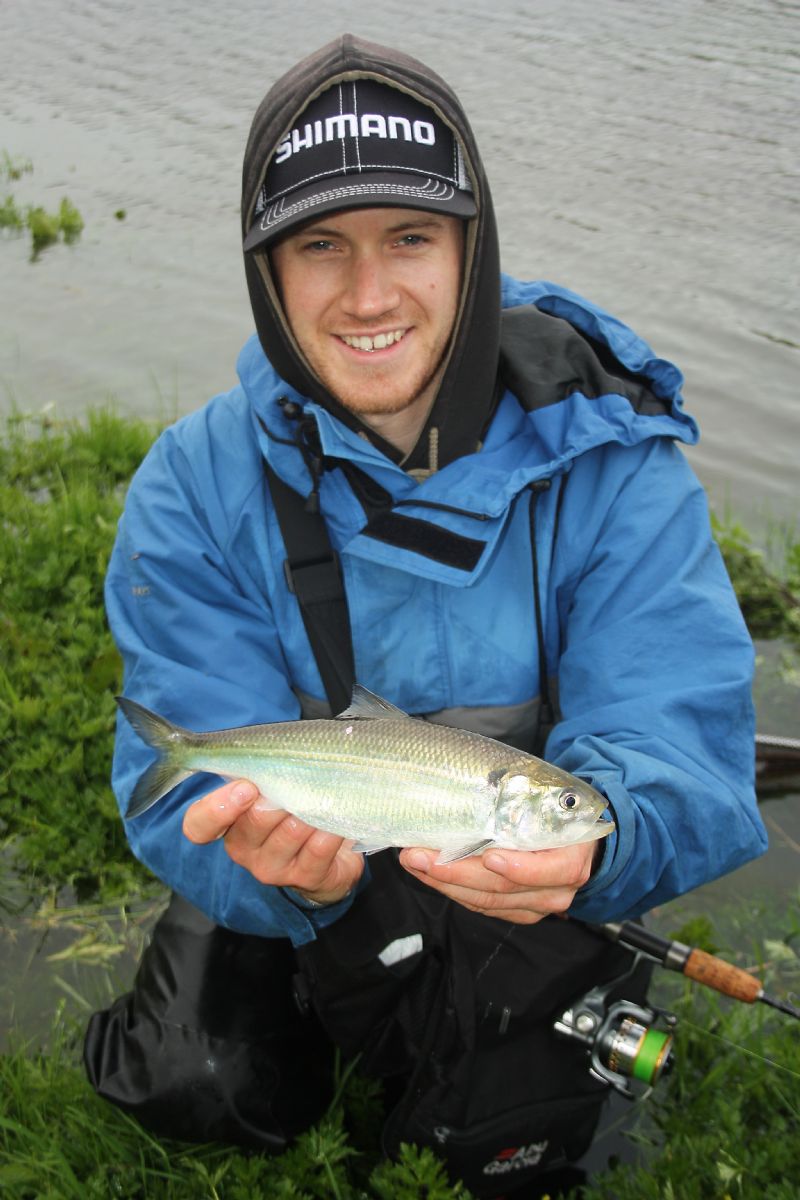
x: 295, y: 302
x: 300, y: 290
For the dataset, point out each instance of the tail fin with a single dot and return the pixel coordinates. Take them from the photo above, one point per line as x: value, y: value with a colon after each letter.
x: 167, y: 771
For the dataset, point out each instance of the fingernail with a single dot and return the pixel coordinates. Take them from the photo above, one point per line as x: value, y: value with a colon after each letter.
x: 495, y: 861
x: 416, y: 859
x: 243, y: 793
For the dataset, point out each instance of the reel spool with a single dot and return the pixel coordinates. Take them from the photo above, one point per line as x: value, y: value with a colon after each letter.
x: 623, y: 1040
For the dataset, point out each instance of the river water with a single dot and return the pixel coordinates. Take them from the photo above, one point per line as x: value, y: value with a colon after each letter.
x: 645, y: 154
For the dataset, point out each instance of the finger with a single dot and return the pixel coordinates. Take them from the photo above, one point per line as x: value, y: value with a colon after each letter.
x: 289, y: 853
x: 211, y: 816
x: 324, y: 861
x: 338, y: 880
x: 277, y: 846
x: 569, y: 866
x: 514, y: 905
x: 467, y: 873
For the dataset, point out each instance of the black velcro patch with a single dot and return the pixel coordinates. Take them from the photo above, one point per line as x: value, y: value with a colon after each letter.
x: 441, y: 545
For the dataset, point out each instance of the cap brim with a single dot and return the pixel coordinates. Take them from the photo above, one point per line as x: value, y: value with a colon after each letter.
x: 371, y: 189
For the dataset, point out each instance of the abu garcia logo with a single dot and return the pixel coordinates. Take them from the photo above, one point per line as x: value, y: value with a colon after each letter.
x: 516, y: 1158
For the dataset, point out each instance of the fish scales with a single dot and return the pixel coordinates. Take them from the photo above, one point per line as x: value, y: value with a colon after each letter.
x: 376, y: 776
x: 369, y: 777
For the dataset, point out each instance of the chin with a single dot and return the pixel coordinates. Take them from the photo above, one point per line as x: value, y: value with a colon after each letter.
x: 374, y: 401
x: 369, y: 407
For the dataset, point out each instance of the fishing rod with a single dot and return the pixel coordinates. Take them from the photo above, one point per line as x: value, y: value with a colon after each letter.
x: 777, y: 763
x: 695, y: 964
x: 628, y: 1043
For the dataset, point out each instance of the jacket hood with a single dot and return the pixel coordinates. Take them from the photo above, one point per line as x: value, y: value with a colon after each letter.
x: 468, y: 389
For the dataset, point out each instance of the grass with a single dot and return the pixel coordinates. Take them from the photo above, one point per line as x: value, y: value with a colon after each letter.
x: 61, y: 491
x: 62, y: 487
x: 59, y: 1140
x: 725, y: 1126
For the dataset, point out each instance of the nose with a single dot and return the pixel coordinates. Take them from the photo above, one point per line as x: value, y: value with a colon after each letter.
x: 370, y: 290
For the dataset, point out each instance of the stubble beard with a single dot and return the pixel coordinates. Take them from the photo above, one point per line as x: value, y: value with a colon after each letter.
x: 384, y: 397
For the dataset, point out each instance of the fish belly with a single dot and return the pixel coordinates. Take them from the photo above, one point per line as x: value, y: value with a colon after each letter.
x: 404, y: 788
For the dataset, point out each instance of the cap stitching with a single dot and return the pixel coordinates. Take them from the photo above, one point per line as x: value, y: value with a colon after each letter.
x: 308, y: 179
x: 358, y: 126
x: 343, y: 140
x: 280, y: 211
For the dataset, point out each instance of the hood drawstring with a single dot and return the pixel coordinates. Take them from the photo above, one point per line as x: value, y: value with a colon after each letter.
x: 306, y: 439
x: 420, y: 474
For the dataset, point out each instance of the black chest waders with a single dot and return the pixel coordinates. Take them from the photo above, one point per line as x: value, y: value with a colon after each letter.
x: 230, y: 1037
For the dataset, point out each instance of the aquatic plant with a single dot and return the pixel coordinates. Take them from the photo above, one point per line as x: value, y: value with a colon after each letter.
x: 44, y: 227
x: 10, y: 215
x: 14, y: 168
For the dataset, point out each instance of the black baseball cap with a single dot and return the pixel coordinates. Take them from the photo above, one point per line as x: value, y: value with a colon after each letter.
x: 361, y: 144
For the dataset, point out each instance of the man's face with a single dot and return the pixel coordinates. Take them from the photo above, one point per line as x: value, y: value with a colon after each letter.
x: 371, y: 296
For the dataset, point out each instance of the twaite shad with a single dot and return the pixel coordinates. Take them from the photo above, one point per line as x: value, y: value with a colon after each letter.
x: 382, y: 778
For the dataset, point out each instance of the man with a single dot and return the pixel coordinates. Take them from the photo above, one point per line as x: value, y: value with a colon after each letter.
x: 524, y: 551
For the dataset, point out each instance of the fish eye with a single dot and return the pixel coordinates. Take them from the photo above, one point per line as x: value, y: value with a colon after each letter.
x: 569, y: 800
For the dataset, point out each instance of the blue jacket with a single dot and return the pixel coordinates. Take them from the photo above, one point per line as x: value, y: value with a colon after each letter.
x: 643, y: 636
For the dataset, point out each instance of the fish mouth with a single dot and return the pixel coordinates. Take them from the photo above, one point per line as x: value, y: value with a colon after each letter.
x: 599, y: 830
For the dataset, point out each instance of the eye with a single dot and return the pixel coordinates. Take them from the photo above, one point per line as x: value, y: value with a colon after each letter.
x: 412, y: 239
x: 569, y: 800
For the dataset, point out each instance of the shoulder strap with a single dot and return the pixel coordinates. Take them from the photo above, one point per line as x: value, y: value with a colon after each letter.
x: 314, y: 575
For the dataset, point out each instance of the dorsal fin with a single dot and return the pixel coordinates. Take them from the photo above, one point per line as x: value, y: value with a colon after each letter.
x: 366, y: 705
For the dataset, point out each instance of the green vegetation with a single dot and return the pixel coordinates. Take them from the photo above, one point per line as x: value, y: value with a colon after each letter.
x: 45, y: 227
x: 770, y: 601
x: 13, y: 169
x: 59, y: 1140
x: 725, y: 1126
x: 61, y: 491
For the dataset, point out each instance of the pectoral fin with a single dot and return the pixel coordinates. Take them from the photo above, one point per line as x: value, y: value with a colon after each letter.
x: 451, y: 856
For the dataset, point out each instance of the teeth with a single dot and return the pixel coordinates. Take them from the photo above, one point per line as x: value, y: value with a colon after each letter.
x: 379, y: 342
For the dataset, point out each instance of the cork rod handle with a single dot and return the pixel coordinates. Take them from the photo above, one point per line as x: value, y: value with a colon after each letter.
x: 731, y: 981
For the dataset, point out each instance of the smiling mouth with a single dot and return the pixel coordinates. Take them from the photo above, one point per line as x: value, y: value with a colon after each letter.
x: 380, y: 342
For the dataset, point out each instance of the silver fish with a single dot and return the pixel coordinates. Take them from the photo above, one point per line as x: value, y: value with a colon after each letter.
x: 382, y: 778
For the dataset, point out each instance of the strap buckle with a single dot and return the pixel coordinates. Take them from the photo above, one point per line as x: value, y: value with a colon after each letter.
x: 315, y: 579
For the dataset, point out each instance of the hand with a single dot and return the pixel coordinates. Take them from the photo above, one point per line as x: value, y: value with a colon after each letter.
x: 275, y: 847
x: 514, y: 885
